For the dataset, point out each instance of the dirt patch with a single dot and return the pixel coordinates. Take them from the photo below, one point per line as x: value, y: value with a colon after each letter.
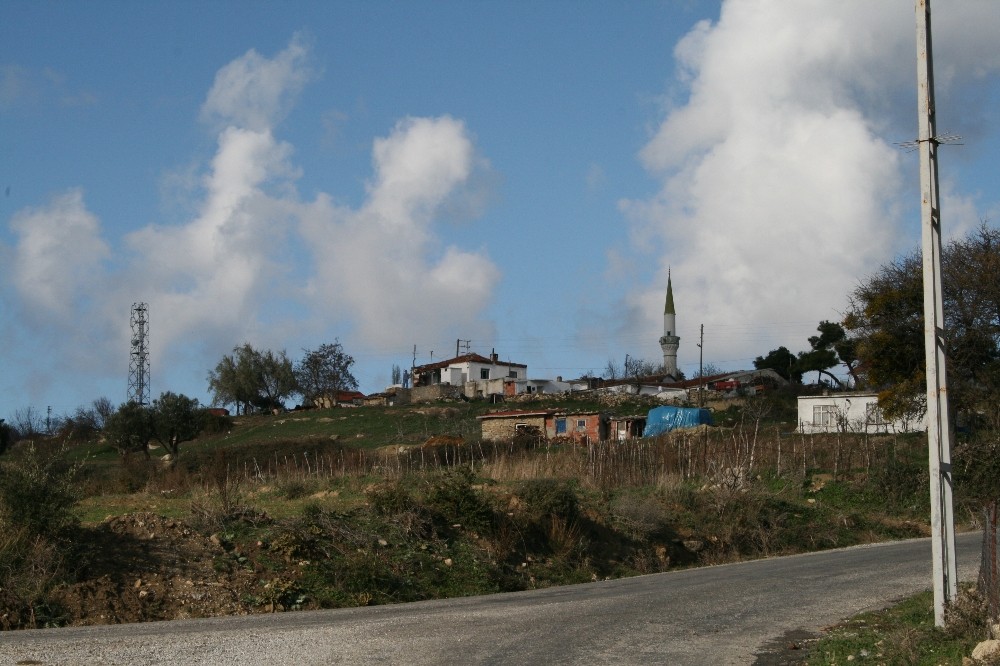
x: 791, y: 649
x: 143, y: 567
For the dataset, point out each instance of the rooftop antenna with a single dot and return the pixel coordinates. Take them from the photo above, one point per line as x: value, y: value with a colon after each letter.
x: 138, y: 365
x: 941, y: 139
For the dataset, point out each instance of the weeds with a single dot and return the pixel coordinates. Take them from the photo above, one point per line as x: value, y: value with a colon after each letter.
x: 905, y: 634
x: 36, y: 523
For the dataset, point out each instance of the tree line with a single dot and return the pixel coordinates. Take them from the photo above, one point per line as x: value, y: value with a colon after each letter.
x: 262, y: 380
x: 880, y: 341
x: 250, y: 379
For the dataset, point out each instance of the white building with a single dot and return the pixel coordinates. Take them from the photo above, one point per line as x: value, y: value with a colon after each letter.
x: 460, y: 370
x: 850, y: 412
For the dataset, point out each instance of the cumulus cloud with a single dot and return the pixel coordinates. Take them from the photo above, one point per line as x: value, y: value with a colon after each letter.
x: 59, y: 288
x: 60, y: 251
x: 780, y: 184
x: 233, y: 270
x: 255, y: 92
x: 212, y: 273
x: 383, y: 261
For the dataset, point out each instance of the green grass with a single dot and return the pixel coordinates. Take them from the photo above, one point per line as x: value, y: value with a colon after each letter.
x: 902, y: 635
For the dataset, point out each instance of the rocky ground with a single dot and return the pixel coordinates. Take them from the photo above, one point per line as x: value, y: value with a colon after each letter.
x: 143, y: 567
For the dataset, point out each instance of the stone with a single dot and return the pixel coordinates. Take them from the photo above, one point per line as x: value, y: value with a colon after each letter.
x: 986, y: 650
x: 693, y: 545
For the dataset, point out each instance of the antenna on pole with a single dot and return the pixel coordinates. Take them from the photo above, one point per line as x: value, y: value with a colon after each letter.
x: 939, y: 432
x: 138, y: 365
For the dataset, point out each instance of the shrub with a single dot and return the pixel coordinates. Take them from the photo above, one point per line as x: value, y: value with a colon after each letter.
x: 36, y: 500
x: 37, y: 494
x: 456, y: 501
x: 638, y: 515
x: 550, y: 497
x: 293, y: 488
x: 213, y: 424
x: 977, y: 470
x: 390, y: 499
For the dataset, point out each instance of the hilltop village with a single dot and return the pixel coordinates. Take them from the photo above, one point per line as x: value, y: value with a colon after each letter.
x: 473, y: 376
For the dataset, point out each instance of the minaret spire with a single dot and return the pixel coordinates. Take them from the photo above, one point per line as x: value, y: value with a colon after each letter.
x: 668, y: 308
x: 670, y: 341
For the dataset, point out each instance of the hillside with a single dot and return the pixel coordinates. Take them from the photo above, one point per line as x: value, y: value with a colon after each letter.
x: 344, y: 507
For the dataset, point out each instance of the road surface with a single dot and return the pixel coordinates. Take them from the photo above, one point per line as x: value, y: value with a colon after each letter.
x: 714, y: 615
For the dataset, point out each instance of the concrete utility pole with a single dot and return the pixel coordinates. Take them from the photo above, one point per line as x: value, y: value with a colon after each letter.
x: 701, y: 367
x: 939, y: 431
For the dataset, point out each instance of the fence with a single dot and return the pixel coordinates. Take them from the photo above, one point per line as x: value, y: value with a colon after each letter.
x: 989, y: 580
x: 721, y: 455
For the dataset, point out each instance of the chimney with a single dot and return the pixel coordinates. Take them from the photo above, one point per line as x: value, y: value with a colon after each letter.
x: 493, y: 355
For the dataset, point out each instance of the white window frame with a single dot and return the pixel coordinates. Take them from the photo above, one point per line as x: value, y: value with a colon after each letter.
x: 825, y: 415
x: 874, y: 415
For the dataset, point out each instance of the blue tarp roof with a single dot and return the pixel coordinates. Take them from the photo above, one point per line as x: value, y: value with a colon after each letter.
x: 665, y: 419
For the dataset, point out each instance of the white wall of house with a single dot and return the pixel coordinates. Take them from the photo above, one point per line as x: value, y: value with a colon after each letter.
x: 850, y: 412
x: 471, y: 371
x: 544, y: 386
x: 454, y: 375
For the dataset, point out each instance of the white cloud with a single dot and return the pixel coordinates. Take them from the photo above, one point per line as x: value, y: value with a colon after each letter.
x: 383, y: 261
x: 59, y: 253
x: 255, y: 92
x: 217, y: 271
x: 233, y: 270
x: 779, y: 187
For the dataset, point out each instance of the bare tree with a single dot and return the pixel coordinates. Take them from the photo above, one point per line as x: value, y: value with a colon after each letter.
x: 28, y: 422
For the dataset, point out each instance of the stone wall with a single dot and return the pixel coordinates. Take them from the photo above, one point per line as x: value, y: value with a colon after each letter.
x: 503, y: 429
x: 435, y: 392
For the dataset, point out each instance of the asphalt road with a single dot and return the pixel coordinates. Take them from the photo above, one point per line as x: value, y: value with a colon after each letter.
x: 714, y: 615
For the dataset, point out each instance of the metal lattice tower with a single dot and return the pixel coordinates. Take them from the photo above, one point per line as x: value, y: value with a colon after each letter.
x: 138, y: 365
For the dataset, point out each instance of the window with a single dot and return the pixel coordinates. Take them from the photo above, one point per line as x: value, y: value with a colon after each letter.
x: 581, y: 423
x: 824, y: 415
x: 560, y: 426
x: 484, y: 373
x: 512, y: 374
x: 874, y: 415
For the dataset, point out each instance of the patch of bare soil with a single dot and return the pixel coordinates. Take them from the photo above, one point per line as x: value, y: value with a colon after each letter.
x: 143, y: 567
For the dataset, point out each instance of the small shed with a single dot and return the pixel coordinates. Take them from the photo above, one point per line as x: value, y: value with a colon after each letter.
x: 549, y: 423
x: 621, y: 428
x: 507, y: 424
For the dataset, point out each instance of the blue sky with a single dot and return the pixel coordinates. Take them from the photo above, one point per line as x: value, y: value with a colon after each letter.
x: 520, y: 175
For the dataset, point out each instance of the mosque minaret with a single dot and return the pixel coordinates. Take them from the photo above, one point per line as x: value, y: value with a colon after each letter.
x: 670, y: 341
